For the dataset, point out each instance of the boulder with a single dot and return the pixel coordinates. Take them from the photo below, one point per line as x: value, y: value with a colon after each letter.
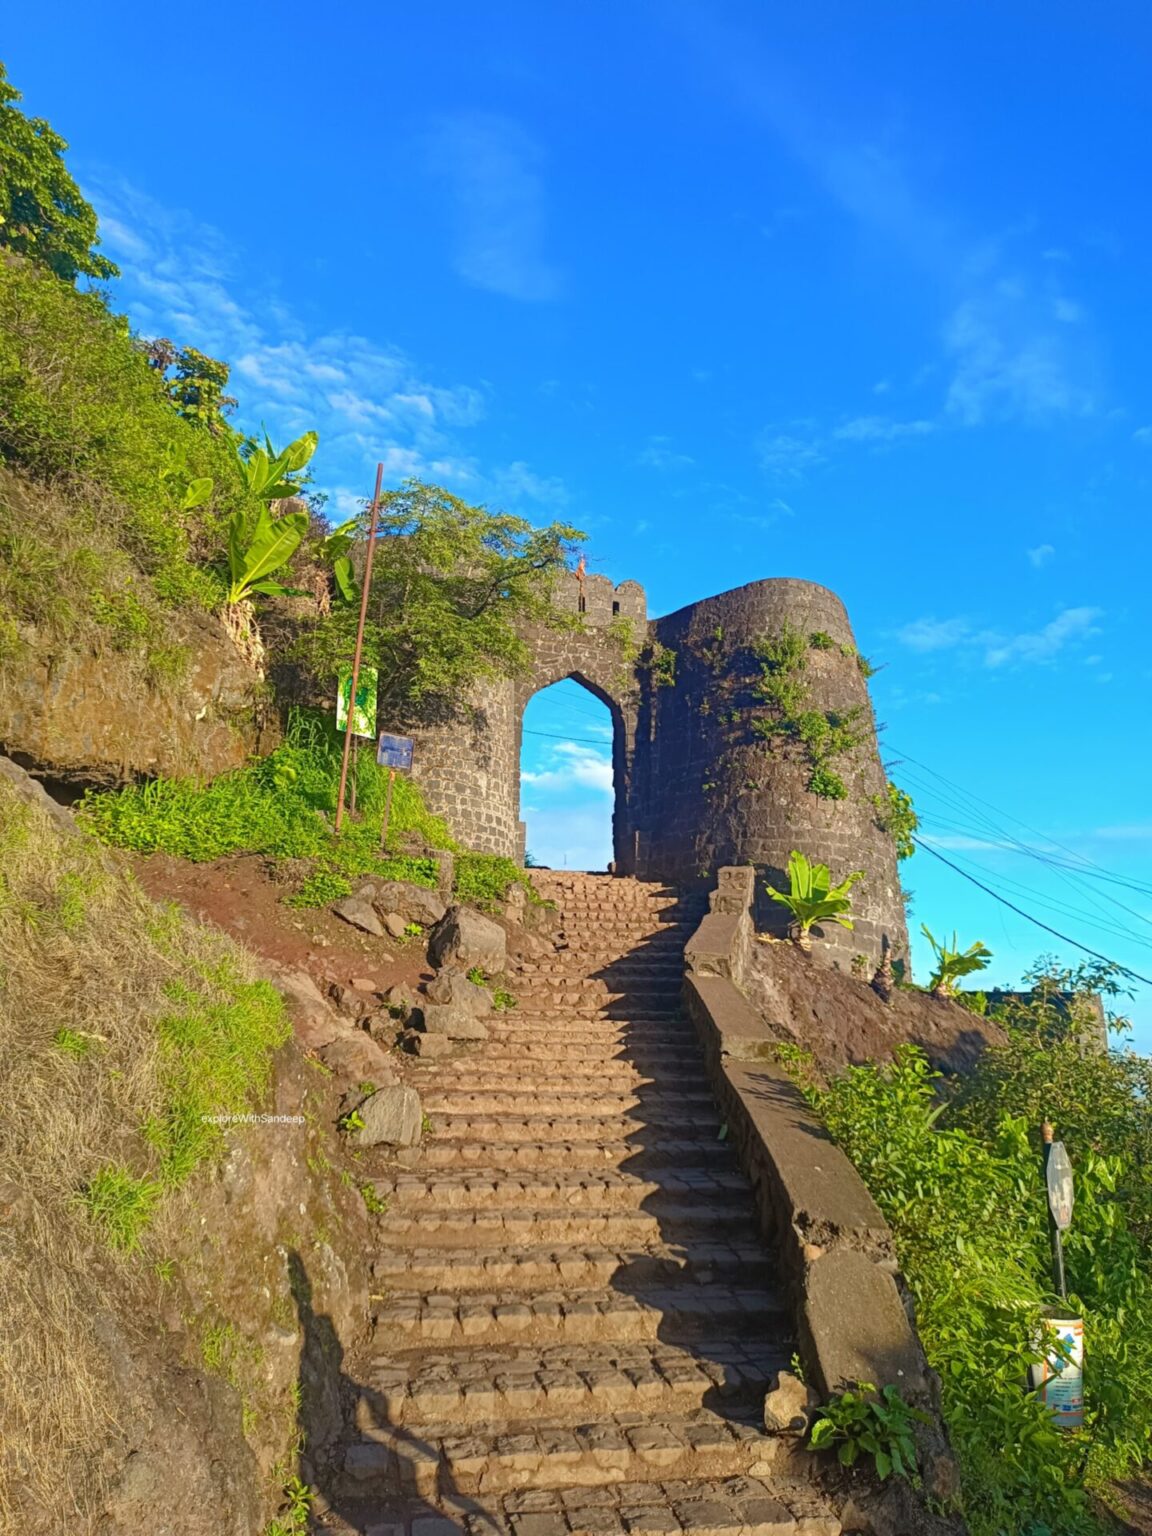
x: 456, y: 1020
x: 391, y: 1116
x: 451, y: 985
x: 788, y: 1405
x: 464, y: 938
x: 414, y: 903
x: 420, y: 1044
x: 355, y: 1057
x: 401, y: 999
x: 395, y: 924
x: 314, y: 1022
x: 360, y: 913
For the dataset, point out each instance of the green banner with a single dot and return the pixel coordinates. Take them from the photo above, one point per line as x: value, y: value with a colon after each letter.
x: 364, y: 715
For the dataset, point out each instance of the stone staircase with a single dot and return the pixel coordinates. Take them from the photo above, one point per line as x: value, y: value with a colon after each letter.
x: 575, y: 1318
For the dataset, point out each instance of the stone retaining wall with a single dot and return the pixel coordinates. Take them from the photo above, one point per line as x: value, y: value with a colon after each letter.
x: 852, y: 1313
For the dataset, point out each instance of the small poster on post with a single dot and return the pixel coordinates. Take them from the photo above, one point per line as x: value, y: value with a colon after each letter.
x: 394, y: 751
x: 364, y: 715
x: 1059, y: 1377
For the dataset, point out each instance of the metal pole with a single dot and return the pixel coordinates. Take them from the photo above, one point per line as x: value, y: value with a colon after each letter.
x: 387, y: 808
x: 359, y: 645
x: 1047, y: 1132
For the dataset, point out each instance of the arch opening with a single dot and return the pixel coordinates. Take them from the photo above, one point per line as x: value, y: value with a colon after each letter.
x: 570, y: 750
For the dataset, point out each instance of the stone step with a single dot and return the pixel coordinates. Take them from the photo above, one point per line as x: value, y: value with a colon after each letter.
x: 670, y: 1049
x: 604, y: 1189
x: 595, y: 1126
x: 572, y: 1382
x: 664, y: 1026
x: 684, y: 1479
x: 666, y: 1220
x: 667, y: 1150
x: 512, y: 1074
x: 600, y: 989
x: 615, y: 1453
x: 582, y: 1101
x: 672, y: 1313
x: 552, y: 1266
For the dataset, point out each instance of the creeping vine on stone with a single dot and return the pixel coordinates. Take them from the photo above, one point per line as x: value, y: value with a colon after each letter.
x: 822, y: 735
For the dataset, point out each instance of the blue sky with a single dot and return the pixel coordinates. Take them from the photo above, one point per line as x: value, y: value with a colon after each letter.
x: 856, y: 296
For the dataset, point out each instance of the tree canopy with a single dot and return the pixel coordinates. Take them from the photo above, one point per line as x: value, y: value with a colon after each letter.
x: 453, y: 586
x: 42, y: 212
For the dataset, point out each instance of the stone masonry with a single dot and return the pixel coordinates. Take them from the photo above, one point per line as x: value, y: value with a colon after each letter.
x: 693, y: 791
x: 576, y: 1317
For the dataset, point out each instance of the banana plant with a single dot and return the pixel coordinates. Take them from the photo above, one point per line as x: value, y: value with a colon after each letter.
x: 258, y: 543
x: 812, y: 898
x: 267, y: 473
x: 952, y: 962
x: 335, y: 548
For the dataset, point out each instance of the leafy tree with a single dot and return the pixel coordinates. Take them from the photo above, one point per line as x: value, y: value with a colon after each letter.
x: 197, y: 383
x: 812, y: 898
x: 453, y: 586
x: 42, y: 213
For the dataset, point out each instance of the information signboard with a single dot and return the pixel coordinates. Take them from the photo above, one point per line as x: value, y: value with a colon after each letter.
x: 394, y: 751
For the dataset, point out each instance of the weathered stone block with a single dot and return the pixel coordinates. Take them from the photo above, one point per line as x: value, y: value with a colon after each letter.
x: 391, y: 1117
x: 464, y: 938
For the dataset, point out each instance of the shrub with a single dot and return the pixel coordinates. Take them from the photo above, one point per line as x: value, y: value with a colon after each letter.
x: 956, y: 1170
x: 80, y: 404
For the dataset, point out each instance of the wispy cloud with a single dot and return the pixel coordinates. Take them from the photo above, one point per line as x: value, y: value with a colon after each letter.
x: 1010, y: 361
x: 1045, y: 644
x: 1042, y: 555
x: 1142, y: 435
x: 996, y: 649
x: 786, y: 456
x: 367, y: 399
x: 493, y: 171
x: 934, y: 634
x: 573, y: 766
x: 881, y: 429
x: 658, y: 453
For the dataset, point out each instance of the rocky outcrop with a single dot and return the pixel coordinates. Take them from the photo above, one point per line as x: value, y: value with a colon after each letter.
x: 89, y: 718
x: 466, y: 939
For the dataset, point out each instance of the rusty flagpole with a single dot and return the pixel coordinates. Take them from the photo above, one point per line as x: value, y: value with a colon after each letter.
x: 367, y: 582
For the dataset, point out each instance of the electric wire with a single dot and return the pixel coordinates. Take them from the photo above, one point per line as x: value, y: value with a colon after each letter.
x: 1124, y: 970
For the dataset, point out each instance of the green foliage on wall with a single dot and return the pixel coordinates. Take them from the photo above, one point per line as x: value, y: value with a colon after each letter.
x: 956, y: 1169
x: 896, y: 815
x: 823, y: 736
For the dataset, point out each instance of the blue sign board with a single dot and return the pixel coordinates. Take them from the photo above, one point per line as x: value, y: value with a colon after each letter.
x: 394, y: 751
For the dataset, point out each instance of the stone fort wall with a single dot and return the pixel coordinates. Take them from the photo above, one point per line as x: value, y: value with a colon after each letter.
x: 694, y: 789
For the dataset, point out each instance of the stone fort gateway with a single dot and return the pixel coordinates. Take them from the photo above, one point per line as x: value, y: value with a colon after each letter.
x: 696, y: 787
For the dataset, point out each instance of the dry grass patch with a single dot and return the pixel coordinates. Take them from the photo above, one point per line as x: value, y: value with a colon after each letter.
x: 122, y: 1025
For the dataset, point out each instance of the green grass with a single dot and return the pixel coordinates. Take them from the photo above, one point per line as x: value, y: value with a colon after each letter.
x: 121, y: 1204
x: 215, y: 1060
x: 283, y: 806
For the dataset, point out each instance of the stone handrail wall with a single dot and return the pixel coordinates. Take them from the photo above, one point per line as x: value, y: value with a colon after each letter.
x: 853, y: 1316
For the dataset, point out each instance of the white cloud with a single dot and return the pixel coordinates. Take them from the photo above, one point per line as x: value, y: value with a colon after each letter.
x: 1067, y: 312
x: 1041, y: 555
x: 575, y: 767
x: 1009, y: 363
x: 659, y: 454
x: 493, y: 171
x: 517, y: 482
x: 1045, y: 644
x: 1134, y: 832
x: 997, y: 649
x: 788, y: 457
x: 1142, y: 435
x: 880, y: 429
x: 934, y: 634
x: 367, y: 399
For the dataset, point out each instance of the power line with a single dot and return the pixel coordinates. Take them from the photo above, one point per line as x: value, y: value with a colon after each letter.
x: 582, y: 741
x: 1063, y: 937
